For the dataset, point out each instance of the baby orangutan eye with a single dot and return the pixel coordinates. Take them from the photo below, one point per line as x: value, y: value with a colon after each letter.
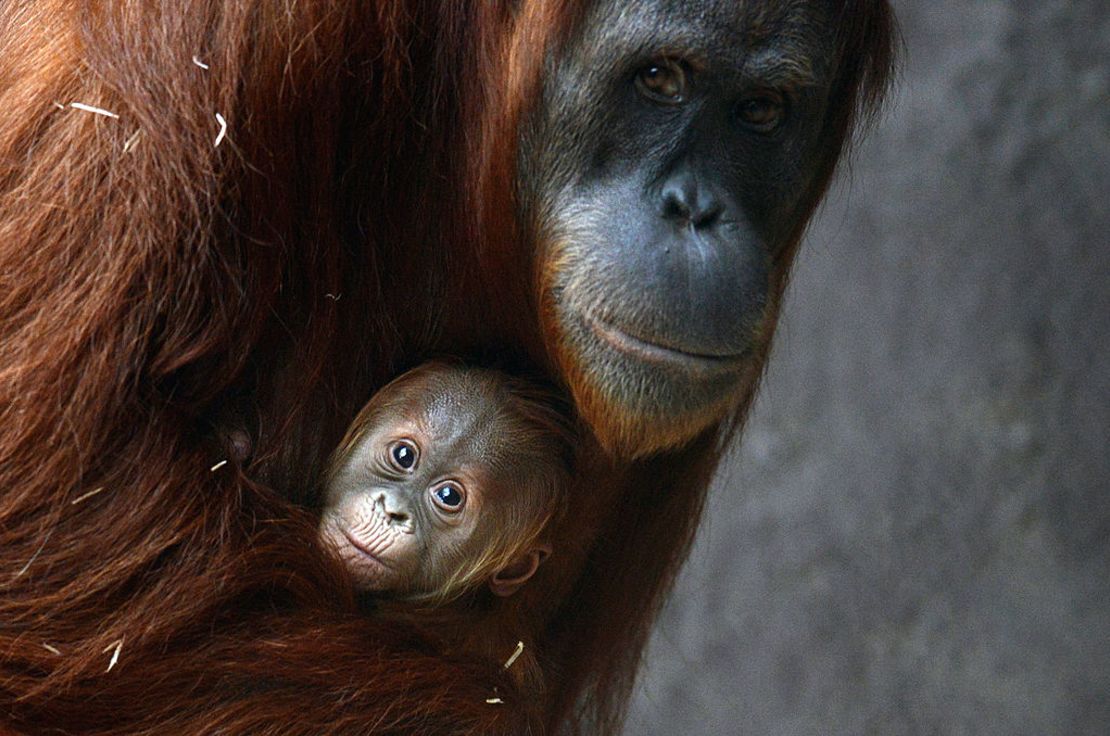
x: 402, y: 454
x: 449, y: 497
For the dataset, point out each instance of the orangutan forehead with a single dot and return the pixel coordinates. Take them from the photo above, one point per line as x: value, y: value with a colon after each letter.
x: 786, y: 41
x: 457, y: 413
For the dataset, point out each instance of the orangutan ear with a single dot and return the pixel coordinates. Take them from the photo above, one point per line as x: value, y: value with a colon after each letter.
x: 508, y: 579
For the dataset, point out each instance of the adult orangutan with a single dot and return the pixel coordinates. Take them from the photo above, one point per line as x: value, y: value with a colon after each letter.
x: 275, y: 207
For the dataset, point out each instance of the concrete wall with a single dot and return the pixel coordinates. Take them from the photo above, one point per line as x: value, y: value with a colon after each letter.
x: 914, y: 535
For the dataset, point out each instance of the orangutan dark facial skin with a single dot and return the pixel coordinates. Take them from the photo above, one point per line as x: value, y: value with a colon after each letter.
x: 443, y: 482
x: 664, y: 171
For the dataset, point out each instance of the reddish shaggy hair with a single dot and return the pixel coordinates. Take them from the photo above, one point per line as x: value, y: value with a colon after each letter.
x: 336, y: 236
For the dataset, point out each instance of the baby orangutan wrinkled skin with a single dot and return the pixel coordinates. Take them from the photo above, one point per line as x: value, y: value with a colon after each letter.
x: 445, y: 483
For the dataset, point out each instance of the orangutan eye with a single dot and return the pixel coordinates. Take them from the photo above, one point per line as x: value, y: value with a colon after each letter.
x: 403, y: 454
x: 762, y: 112
x: 449, y: 497
x: 662, y: 81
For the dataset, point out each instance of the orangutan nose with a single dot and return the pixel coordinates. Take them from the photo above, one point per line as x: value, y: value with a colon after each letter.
x: 689, y: 202
x: 394, y: 512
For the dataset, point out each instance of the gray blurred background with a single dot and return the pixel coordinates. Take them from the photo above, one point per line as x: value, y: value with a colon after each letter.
x: 913, y: 536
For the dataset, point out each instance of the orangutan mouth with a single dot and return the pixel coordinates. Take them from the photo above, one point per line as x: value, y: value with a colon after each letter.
x: 361, y: 547
x: 652, y: 352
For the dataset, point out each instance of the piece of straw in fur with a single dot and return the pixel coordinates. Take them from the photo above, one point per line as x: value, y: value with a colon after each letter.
x: 86, y: 496
x: 516, y: 653
x: 495, y: 701
x: 116, y: 646
x: 223, y: 130
x: 52, y: 650
x: 218, y: 465
x: 35, y: 556
x: 94, y: 110
x: 198, y: 62
x: 130, y: 143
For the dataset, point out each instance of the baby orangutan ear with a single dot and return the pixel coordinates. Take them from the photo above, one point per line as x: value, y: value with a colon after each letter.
x: 508, y: 579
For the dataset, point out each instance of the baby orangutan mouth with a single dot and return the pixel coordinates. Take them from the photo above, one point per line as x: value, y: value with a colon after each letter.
x: 362, y: 547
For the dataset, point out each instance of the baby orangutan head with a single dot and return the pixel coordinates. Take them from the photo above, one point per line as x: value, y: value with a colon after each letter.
x: 446, y: 481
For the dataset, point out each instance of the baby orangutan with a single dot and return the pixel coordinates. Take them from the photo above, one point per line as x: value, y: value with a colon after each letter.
x: 445, y: 483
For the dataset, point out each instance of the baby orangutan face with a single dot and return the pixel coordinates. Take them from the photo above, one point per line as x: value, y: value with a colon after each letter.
x: 428, y: 490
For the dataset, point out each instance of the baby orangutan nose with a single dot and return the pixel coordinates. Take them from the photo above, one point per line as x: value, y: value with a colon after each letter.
x: 393, y: 512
